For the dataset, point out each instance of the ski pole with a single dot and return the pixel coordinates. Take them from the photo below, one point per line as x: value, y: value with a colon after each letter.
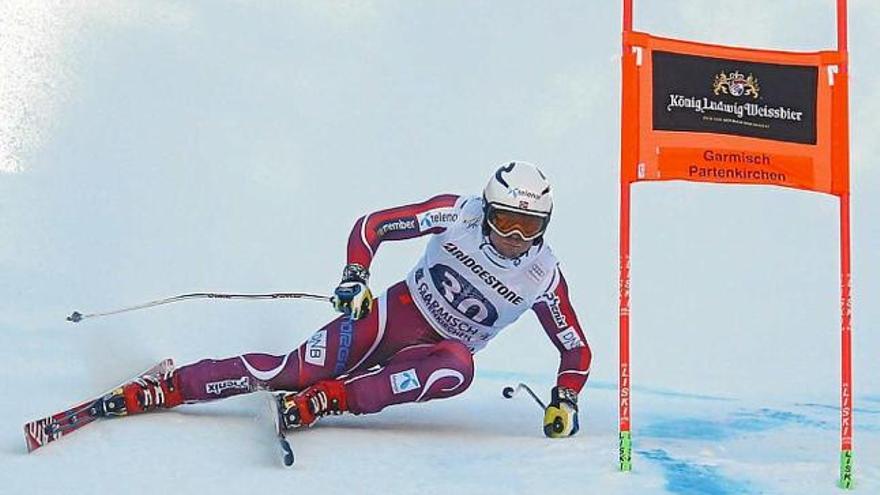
x: 510, y: 392
x: 76, y: 316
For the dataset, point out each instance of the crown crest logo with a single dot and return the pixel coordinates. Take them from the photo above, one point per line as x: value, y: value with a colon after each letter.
x: 736, y: 84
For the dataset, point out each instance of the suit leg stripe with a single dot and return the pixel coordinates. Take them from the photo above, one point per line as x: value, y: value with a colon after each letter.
x: 356, y: 378
x: 267, y: 375
x: 574, y: 372
x: 438, y: 375
x: 364, y: 235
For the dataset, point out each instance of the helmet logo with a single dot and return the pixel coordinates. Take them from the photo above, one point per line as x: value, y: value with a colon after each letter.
x: 517, y: 192
x: 506, y: 169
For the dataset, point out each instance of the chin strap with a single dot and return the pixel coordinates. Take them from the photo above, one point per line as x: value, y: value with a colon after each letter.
x: 490, y: 249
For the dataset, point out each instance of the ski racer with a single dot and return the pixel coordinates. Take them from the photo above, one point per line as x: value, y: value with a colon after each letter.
x: 486, y: 264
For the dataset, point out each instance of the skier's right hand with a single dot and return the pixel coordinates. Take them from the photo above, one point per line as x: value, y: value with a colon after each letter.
x: 352, y: 297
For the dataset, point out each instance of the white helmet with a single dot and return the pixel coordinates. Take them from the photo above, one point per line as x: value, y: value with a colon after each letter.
x: 519, y: 188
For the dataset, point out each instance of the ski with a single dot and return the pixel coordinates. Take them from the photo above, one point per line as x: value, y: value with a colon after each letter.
x: 276, y: 410
x: 46, y: 430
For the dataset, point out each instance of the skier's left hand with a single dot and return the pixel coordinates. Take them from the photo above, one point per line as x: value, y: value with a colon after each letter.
x: 353, y: 297
x: 560, y: 417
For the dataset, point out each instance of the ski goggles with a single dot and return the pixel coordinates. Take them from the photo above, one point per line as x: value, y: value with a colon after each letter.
x: 508, y: 222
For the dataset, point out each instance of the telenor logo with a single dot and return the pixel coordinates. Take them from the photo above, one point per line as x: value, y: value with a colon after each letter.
x: 433, y: 218
x: 517, y: 192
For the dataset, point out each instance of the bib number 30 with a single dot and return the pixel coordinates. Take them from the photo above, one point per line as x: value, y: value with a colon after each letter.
x: 463, y: 296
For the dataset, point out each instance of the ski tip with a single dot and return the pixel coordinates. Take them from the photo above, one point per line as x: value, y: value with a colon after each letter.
x: 29, y: 441
x: 286, y: 452
x: 38, y: 433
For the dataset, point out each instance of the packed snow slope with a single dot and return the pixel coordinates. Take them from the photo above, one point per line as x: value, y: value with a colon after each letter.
x: 151, y: 148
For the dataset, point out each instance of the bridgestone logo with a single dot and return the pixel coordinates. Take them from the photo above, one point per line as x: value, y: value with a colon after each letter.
x: 484, y: 274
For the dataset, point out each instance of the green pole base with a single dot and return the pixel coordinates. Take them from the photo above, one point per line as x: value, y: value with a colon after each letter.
x: 846, y: 470
x: 626, y: 451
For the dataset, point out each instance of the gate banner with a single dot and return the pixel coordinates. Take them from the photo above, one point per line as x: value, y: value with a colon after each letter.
x: 709, y: 113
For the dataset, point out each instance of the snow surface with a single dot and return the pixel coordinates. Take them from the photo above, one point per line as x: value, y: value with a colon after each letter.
x: 151, y: 148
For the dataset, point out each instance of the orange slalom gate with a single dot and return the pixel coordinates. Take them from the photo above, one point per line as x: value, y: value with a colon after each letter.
x: 728, y: 115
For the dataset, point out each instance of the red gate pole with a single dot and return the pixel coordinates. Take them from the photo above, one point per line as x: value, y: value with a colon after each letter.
x: 625, y: 434
x: 846, y: 387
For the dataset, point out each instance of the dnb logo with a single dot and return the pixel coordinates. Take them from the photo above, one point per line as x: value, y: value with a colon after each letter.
x: 463, y: 296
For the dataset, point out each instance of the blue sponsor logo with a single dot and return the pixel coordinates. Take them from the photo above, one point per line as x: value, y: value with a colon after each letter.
x: 434, y: 218
x: 346, y: 330
x: 405, y: 381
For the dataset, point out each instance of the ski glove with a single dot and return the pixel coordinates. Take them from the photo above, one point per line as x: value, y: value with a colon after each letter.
x: 560, y: 417
x: 352, y: 297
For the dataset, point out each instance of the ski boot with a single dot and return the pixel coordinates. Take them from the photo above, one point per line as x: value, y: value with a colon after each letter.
x: 303, y: 408
x: 143, y: 394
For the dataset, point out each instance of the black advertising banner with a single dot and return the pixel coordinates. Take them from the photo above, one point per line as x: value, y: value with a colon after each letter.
x: 751, y: 99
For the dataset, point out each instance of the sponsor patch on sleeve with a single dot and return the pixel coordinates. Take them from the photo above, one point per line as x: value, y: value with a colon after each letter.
x: 316, y: 348
x: 438, y: 217
x: 556, y: 311
x: 569, y: 339
x: 405, y: 381
x: 217, y: 388
x: 396, y: 225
